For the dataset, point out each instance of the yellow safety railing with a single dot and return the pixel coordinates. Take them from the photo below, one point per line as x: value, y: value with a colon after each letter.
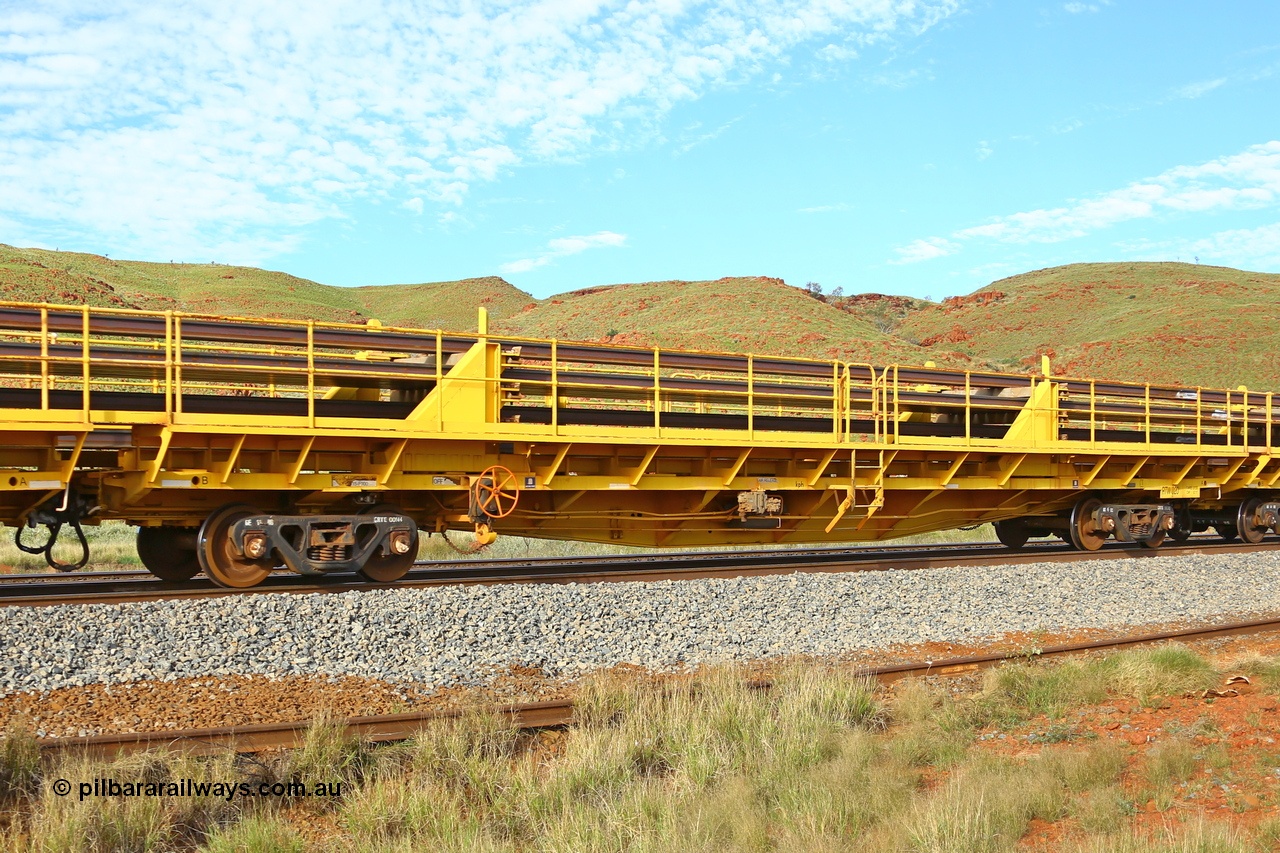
x: 73, y: 353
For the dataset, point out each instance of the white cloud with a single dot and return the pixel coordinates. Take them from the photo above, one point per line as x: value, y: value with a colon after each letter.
x: 925, y: 250
x: 1076, y: 8
x: 229, y: 126
x: 414, y: 205
x: 1249, y: 248
x: 563, y: 247
x: 984, y: 150
x: 1195, y: 90
x: 699, y: 138
x: 1244, y: 181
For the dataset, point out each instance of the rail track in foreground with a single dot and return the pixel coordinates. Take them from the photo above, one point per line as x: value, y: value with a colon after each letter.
x: 121, y: 587
x: 397, y: 727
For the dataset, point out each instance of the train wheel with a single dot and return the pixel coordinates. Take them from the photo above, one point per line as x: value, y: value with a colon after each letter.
x: 160, y: 551
x: 386, y: 569
x: 1012, y: 533
x: 1244, y: 522
x: 218, y: 557
x: 1156, y: 540
x: 1085, y: 535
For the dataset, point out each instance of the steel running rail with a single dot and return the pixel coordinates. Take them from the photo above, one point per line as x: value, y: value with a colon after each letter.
x: 627, y: 568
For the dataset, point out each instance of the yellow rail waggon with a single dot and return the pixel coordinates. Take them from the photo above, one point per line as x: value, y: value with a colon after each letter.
x: 240, y: 445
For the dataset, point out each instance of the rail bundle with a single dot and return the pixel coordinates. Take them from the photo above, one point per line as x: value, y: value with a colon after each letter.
x: 240, y: 445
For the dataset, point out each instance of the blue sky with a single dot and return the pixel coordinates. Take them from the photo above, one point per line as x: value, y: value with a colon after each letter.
x: 922, y: 147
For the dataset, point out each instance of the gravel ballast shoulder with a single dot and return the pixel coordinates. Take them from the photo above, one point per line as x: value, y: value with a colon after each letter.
x: 448, y: 636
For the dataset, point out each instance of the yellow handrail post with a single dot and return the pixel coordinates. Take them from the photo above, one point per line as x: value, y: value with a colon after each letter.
x: 168, y: 365
x: 1093, y: 413
x: 897, y: 414
x: 1269, y: 426
x: 84, y: 358
x: 311, y: 372
x: 1227, y: 410
x: 751, y: 397
x: 968, y: 409
x: 1200, y: 428
x: 177, y: 364
x: 1146, y: 410
x: 44, y: 359
x: 439, y: 379
x: 657, y: 393
x: 1245, y: 426
x: 555, y: 389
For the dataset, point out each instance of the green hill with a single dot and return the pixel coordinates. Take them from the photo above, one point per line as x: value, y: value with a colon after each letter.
x: 761, y: 315
x: 1156, y: 322
x: 38, y: 275
x: 1146, y: 322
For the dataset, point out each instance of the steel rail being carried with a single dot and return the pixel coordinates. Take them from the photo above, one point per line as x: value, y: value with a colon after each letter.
x: 241, y: 445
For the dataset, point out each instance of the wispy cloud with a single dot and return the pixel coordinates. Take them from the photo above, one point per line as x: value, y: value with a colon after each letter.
x: 694, y: 138
x: 984, y: 150
x: 1076, y: 8
x: 226, y: 128
x: 1195, y: 90
x: 563, y: 247
x: 925, y: 250
x: 1245, y: 247
x: 1248, y: 180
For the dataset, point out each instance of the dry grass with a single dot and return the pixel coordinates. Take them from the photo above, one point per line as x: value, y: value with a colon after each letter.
x: 818, y: 762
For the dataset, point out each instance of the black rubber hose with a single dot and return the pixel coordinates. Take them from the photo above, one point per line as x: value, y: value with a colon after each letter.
x: 84, y: 550
x: 42, y: 549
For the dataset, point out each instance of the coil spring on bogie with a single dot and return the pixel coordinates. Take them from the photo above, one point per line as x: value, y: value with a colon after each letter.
x: 1140, y: 530
x: 328, y: 553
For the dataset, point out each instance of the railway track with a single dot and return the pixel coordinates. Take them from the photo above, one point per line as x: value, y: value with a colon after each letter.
x: 396, y: 727
x: 121, y: 587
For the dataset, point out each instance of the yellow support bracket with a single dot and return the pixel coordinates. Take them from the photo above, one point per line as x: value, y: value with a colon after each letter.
x: 639, y: 470
x: 166, y: 436
x: 302, y: 459
x: 1007, y: 472
x: 393, y: 459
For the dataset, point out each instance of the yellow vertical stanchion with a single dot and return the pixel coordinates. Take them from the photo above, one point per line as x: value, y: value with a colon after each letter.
x: 555, y: 389
x: 897, y: 414
x: 84, y: 359
x: 751, y: 397
x: 968, y: 409
x: 439, y: 379
x: 1244, y: 429
x: 835, y: 401
x: 311, y: 373
x: 44, y: 359
x: 1093, y: 413
x: 177, y: 364
x: 1227, y: 412
x: 168, y: 365
x: 657, y: 395
x: 1146, y: 409
x: 1269, y: 425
